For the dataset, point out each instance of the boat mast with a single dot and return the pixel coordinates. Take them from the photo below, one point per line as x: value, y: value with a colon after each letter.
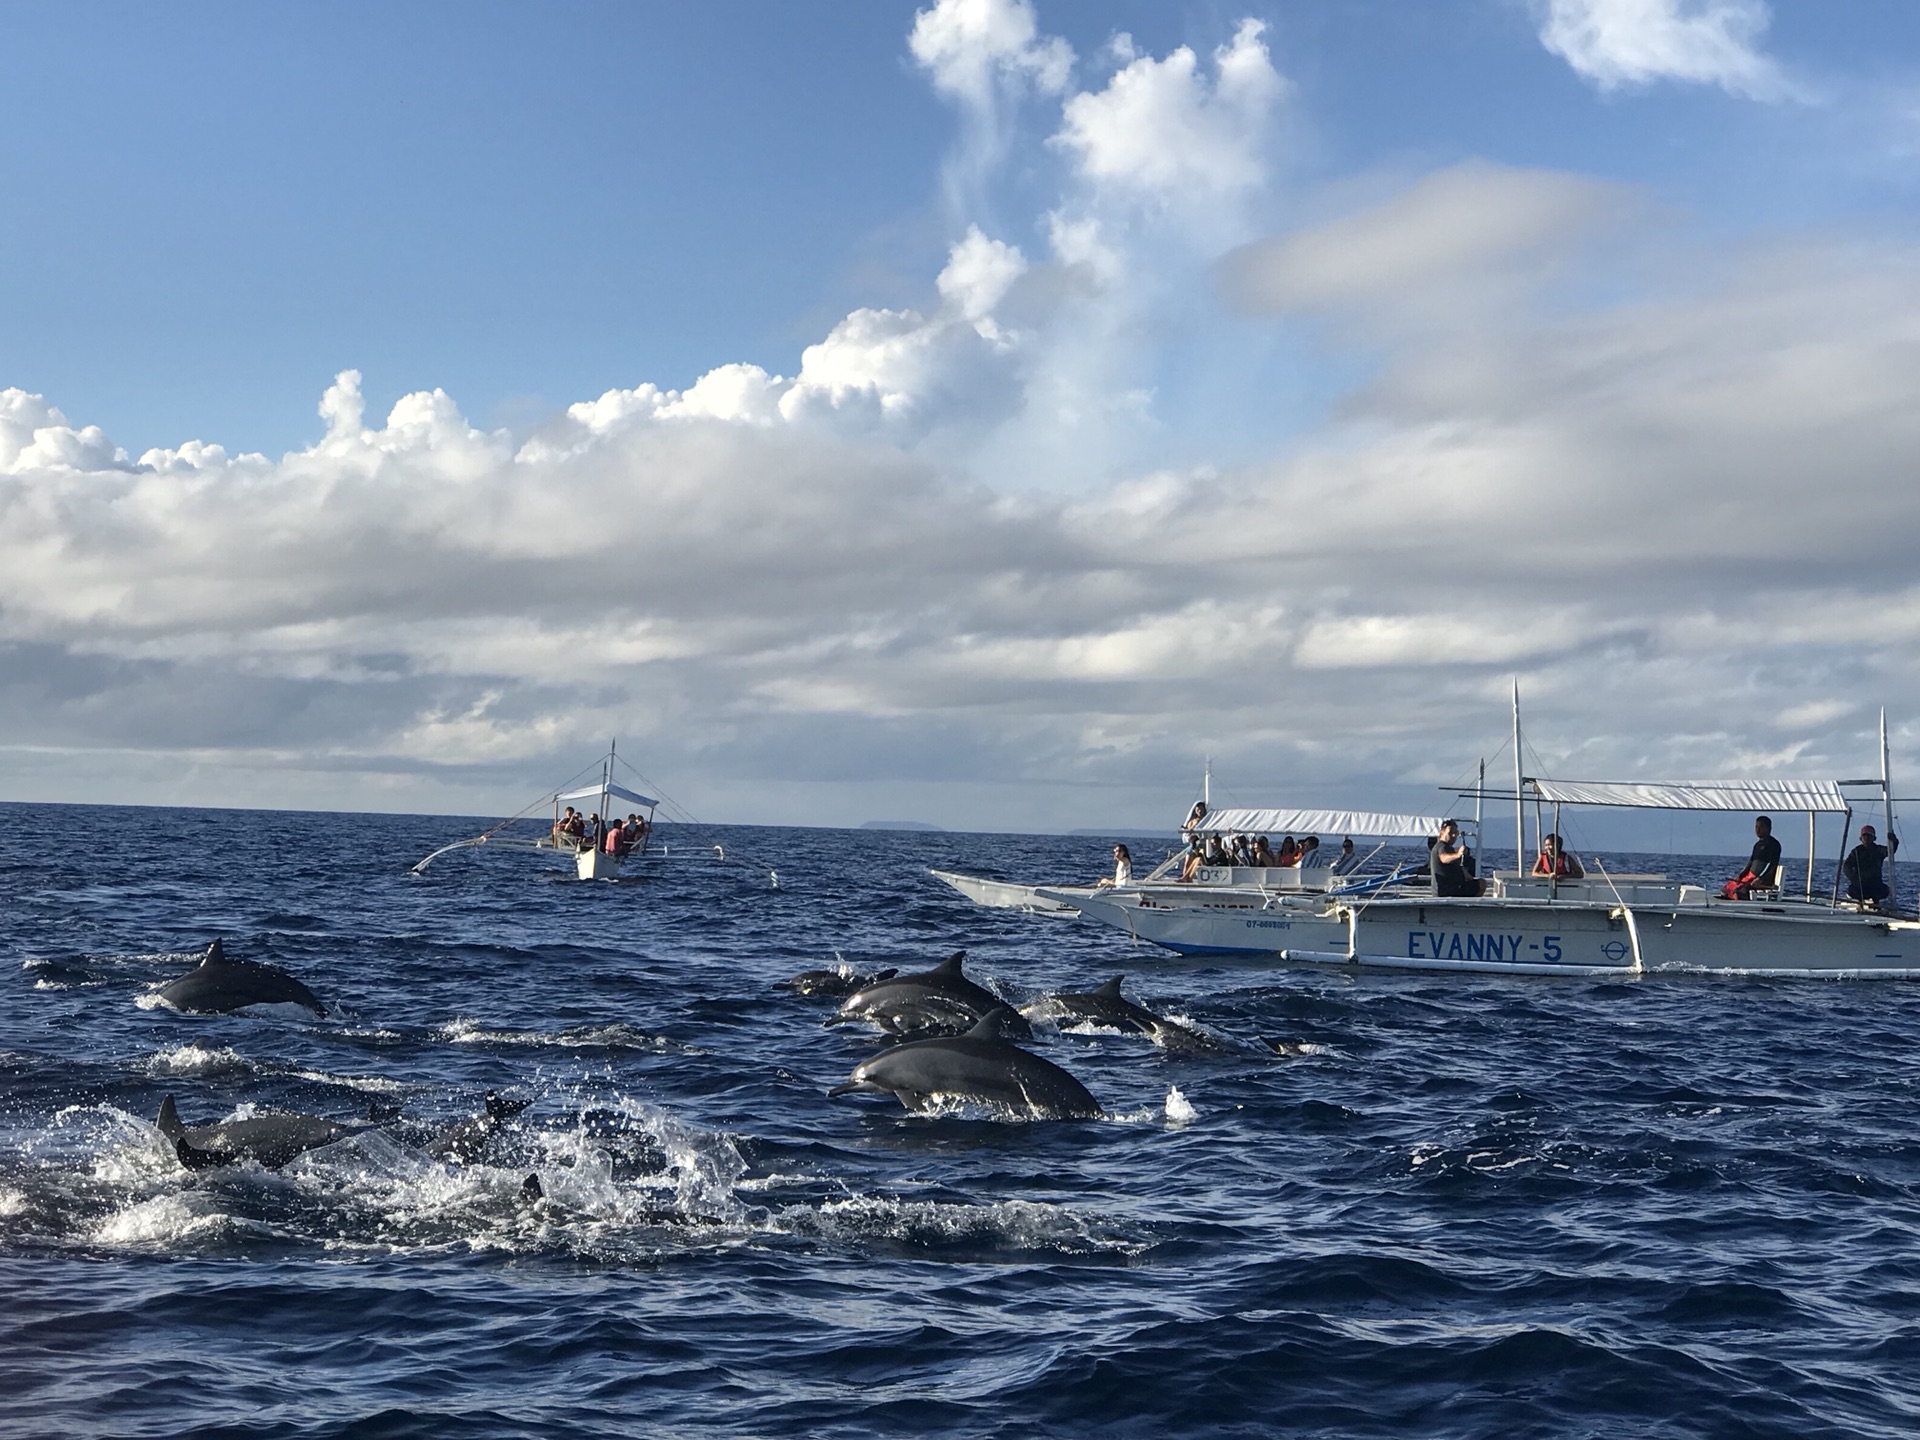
x: 1519, y: 806
x: 606, y: 782
x: 1886, y: 795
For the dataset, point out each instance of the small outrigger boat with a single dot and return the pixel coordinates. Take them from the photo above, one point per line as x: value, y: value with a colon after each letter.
x: 1178, y: 881
x: 599, y: 845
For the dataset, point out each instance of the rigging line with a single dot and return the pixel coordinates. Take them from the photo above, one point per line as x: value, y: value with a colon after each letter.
x: 546, y: 798
x: 680, y: 815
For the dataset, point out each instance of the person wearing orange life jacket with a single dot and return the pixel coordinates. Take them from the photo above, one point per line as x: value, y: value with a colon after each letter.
x: 1557, y: 861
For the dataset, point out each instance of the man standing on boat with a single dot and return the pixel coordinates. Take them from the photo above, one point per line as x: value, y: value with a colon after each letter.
x: 1865, y: 881
x: 1763, y: 865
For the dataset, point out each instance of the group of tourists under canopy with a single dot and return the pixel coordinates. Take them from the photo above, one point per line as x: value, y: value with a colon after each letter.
x: 1236, y: 838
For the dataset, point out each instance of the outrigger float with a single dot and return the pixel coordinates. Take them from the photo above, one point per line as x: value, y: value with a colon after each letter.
x: 591, y: 860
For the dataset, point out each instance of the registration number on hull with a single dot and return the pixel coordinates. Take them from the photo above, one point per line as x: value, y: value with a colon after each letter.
x: 1470, y: 945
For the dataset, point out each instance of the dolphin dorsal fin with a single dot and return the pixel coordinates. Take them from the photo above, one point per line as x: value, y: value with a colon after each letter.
x: 987, y: 1027
x: 216, y: 953
x: 950, y: 965
x: 1110, y: 990
x: 499, y: 1107
x: 168, y: 1121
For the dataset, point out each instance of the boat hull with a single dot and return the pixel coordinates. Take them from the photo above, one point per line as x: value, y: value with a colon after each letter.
x: 597, y: 864
x: 1538, y: 937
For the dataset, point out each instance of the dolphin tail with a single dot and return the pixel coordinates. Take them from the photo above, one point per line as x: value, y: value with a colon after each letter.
x: 531, y: 1190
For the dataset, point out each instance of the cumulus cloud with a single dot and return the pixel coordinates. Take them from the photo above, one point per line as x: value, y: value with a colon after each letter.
x: 1622, y: 43
x: 897, y: 373
x: 1161, y: 125
x: 973, y: 47
x: 988, y: 56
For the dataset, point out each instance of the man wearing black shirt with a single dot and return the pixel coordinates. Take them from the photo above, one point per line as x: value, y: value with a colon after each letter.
x: 1865, y: 880
x: 1452, y: 864
x: 1763, y: 865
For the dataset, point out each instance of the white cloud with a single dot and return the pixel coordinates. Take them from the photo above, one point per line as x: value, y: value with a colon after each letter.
x: 34, y: 436
x: 1620, y: 43
x: 978, y: 274
x: 1161, y: 125
x: 988, y: 56
x: 970, y: 47
x: 1467, y: 230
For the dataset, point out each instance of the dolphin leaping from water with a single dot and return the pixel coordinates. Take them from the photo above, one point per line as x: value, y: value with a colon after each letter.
x: 1105, y: 1005
x: 978, y: 1065
x: 219, y: 985
x: 268, y: 1140
x: 937, y: 1001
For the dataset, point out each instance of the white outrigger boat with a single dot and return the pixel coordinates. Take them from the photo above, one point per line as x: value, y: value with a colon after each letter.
x: 1599, y: 925
x: 592, y: 859
x: 1209, y: 882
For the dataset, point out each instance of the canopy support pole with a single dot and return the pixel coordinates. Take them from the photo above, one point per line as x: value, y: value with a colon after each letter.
x: 1519, y: 800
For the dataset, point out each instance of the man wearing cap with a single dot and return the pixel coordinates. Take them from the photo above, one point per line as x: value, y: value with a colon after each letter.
x: 1862, y: 868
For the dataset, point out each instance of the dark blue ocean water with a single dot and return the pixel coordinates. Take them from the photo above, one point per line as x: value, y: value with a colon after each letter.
x: 1470, y: 1207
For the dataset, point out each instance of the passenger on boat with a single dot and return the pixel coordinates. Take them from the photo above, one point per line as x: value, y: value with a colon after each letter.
x: 564, y: 825
x: 1865, y: 881
x: 1763, y: 865
x: 1216, y: 851
x: 1242, y: 853
x: 1263, y: 852
x: 1194, y: 817
x: 1452, y: 864
x: 596, y: 832
x: 1344, y: 862
x: 1122, y: 868
x: 1190, y: 867
x: 632, y: 833
x: 1309, y: 853
x: 1557, y: 861
x: 1288, y: 854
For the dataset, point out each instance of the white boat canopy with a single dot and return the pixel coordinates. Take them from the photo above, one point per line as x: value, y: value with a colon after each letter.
x: 618, y: 792
x: 1822, y: 796
x: 1316, y: 822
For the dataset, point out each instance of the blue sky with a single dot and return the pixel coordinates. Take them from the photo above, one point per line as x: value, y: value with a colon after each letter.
x: 222, y: 205
x: 1063, y: 424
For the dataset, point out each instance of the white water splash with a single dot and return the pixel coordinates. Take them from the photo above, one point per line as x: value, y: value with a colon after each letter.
x: 1179, y: 1109
x: 197, y: 1059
